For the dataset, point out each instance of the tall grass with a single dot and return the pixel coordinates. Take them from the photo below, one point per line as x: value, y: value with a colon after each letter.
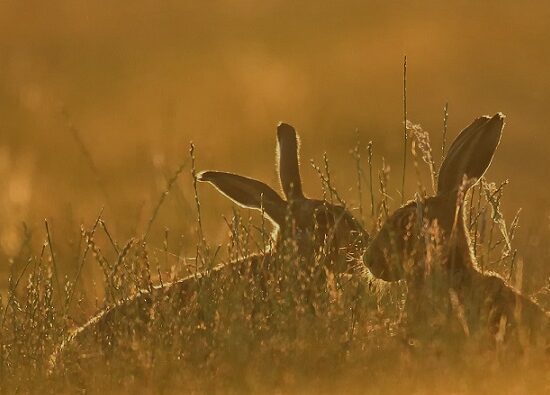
x: 296, y: 327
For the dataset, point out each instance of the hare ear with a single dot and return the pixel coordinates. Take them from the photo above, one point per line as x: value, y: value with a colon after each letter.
x: 471, y: 153
x: 288, y: 157
x: 248, y: 193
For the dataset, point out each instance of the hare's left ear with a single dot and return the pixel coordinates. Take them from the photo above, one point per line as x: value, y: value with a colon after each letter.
x: 288, y: 148
x: 248, y: 193
x: 471, y: 153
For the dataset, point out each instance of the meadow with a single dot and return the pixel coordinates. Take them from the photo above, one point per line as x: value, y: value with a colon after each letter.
x: 107, y: 114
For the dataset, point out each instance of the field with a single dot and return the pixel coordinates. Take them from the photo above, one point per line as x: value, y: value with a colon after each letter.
x: 107, y: 113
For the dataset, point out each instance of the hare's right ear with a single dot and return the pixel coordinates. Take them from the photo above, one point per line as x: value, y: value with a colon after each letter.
x: 289, y: 166
x: 248, y: 193
x: 471, y: 153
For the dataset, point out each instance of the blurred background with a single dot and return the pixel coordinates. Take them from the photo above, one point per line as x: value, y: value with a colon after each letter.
x: 99, y: 101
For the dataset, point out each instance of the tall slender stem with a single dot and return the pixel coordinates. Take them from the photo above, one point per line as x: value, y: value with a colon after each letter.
x: 404, y: 128
x: 445, y: 123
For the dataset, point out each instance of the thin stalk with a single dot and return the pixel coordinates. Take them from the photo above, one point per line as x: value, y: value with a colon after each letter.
x: 359, y: 171
x: 165, y: 193
x: 369, y: 151
x: 405, y: 137
x: 197, y: 201
x: 445, y: 125
x: 54, y: 262
x: 328, y: 180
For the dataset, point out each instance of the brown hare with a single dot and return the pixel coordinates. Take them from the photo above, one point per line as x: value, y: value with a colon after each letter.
x: 309, y: 223
x: 304, y: 227
x: 426, y: 243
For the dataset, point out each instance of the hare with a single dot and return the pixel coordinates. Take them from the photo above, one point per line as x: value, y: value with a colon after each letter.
x: 304, y: 226
x: 426, y: 243
x: 309, y: 223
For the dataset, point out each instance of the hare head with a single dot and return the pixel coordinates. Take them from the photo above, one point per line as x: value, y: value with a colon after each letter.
x: 309, y: 223
x: 400, y: 247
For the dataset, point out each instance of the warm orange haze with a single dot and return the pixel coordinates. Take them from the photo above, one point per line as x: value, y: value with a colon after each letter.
x: 108, y: 112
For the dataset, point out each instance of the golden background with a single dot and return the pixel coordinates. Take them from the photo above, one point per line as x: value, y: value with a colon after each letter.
x: 99, y: 101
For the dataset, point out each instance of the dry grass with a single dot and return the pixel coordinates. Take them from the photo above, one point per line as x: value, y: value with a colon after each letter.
x: 294, y: 328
